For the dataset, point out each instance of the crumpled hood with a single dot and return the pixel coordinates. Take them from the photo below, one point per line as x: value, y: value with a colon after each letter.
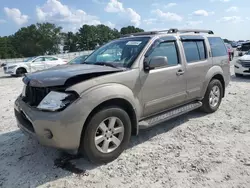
x: 67, y: 74
x: 245, y: 58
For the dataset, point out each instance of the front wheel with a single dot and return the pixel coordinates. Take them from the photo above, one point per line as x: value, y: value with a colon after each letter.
x: 106, y: 136
x: 213, y: 96
x: 20, y: 71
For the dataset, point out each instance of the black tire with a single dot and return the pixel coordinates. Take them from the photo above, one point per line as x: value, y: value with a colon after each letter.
x: 21, y: 71
x: 88, y: 147
x: 206, y: 107
x: 238, y: 75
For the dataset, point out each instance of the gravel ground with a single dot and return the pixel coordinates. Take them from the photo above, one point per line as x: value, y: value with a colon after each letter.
x: 194, y: 150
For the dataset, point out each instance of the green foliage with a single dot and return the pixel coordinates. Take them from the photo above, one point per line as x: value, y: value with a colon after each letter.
x: 46, y: 38
x: 130, y: 29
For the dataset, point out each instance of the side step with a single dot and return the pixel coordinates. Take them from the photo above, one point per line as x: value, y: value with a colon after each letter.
x: 154, y: 120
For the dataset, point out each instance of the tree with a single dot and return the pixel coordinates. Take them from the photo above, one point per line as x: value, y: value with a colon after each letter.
x: 47, y: 38
x: 39, y: 39
x: 6, y: 49
x: 71, y: 41
x: 92, y: 36
x: 130, y: 29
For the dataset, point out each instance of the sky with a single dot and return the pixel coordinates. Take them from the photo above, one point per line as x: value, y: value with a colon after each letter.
x: 227, y: 18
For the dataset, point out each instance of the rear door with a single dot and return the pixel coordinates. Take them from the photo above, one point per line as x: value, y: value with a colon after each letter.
x: 197, y: 64
x: 37, y: 64
x: 51, y: 62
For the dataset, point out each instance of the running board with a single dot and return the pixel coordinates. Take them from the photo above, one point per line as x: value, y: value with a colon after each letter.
x: 152, y: 121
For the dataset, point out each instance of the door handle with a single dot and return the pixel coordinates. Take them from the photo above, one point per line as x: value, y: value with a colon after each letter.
x: 180, y: 72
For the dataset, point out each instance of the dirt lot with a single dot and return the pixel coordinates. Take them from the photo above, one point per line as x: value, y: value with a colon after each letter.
x: 194, y: 150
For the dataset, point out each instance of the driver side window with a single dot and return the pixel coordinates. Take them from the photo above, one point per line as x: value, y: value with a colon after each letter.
x: 165, y: 49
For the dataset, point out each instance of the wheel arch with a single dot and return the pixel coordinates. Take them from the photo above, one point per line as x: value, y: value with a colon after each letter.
x: 215, y: 72
x: 119, y: 102
x: 23, y: 68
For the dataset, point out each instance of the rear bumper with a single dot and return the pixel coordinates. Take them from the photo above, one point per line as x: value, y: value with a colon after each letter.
x: 53, y: 129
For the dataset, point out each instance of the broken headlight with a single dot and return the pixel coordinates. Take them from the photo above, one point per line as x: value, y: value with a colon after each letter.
x: 55, y: 101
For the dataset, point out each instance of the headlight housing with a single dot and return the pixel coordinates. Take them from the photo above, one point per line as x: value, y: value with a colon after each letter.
x: 56, y: 101
x: 12, y: 67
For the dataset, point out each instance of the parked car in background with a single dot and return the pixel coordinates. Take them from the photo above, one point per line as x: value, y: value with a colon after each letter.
x: 32, y: 64
x: 242, y: 65
x: 234, y: 44
x: 245, y: 47
x: 230, y: 51
x: 78, y: 60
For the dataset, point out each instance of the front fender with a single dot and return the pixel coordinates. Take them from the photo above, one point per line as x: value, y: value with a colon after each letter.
x: 95, y: 96
x: 213, y: 71
x: 22, y: 66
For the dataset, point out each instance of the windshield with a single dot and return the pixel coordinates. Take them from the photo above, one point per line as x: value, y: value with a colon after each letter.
x: 78, y: 60
x: 119, y: 53
x: 248, y: 53
x: 29, y: 59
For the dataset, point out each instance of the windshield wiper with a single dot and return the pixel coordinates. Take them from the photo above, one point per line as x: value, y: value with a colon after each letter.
x: 100, y: 63
x: 105, y: 64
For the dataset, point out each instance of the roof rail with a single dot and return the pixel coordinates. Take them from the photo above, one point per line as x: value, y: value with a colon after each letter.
x: 190, y: 30
x: 168, y: 31
x: 140, y: 33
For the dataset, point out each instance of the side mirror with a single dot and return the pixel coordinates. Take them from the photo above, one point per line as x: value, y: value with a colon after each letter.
x: 154, y: 62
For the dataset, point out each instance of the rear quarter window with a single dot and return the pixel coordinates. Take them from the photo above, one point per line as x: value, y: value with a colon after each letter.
x: 218, y: 46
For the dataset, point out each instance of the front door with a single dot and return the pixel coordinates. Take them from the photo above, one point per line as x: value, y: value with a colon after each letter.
x: 37, y: 64
x: 163, y: 87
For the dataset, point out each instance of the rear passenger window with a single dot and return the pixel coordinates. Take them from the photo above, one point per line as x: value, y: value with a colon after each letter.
x: 194, y: 51
x: 166, y: 49
x: 217, y: 46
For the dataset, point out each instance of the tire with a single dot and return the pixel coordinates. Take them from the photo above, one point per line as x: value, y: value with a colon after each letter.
x: 21, y: 71
x: 238, y: 75
x: 88, y: 145
x: 206, y: 105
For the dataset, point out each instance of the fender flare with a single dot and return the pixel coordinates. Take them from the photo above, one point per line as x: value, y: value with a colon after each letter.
x: 212, y: 72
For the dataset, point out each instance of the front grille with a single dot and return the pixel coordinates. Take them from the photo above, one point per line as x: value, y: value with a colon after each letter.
x: 34, y: 95
x: 245, y: 64
x: 24, y: 121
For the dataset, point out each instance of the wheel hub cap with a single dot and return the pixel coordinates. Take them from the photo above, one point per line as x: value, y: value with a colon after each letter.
x: 214, y: 97
x: 109, y: 135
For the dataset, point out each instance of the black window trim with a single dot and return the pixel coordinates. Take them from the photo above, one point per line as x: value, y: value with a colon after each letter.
x: 177, y: 52
x: 205, y: 48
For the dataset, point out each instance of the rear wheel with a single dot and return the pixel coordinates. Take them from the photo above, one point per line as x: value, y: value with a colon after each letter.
x: 213, y: 97
x: 106, y: 136
x: 21, y: 71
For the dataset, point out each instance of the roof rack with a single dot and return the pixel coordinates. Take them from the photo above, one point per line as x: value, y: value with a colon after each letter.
x: 190, y: 30
x: 169, y: 31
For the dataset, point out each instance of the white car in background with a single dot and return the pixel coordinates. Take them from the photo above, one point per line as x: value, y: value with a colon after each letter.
x: 32, y: 64
x: 242, y: 65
